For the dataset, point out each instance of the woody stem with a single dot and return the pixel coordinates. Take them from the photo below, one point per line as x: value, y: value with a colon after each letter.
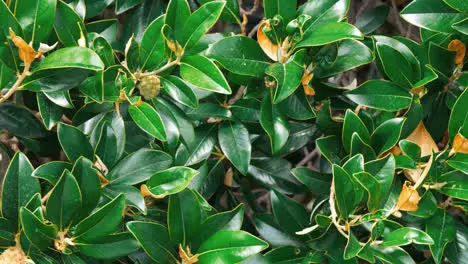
x: 16, y: 85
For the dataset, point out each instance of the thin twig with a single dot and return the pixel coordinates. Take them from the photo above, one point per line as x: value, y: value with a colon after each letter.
x: 16, y: 85
x: 308, y: 157
x: 251, y: 10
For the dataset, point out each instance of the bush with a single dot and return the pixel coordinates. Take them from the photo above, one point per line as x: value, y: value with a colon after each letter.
x: 141, y: 131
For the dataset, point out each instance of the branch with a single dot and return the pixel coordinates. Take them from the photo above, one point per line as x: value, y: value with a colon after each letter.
x: 16, y: 85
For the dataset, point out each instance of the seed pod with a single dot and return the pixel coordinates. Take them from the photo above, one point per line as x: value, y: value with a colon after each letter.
x: 149, y: 86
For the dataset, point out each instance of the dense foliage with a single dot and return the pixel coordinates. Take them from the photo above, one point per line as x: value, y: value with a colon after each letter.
x: 150, y: 131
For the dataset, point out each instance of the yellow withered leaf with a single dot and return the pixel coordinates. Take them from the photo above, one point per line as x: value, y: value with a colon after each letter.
x: 305, y: 83
x: 460, y: 144
x: 460, y: 48
x: 26, y: 53
x: 270, y: 49
x: 424, y: 140
x: 408, y: 199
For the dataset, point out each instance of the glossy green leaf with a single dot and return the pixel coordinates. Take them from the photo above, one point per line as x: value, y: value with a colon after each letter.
x: 35, y: 18
x: 352, y: 123
x: 73, y: 57
x: 230, y: 246
x: 204, y: 74
x: 64, y: 201
x: 441, y: 228
x: 290, y: 215
x: 286, y: 9
x: 240, y: 55
x: 133, y: 196
x: 330, y: 148
x: 180, y: 91
x: 455, y: 185
x: 380, y: 95
x: 68, y: 25
x: 396, y: 67
x: 288, y: 76
x: 274, y: 123
x: 183, y: 216
x: 51, y: 171
x: 7, y: 21
x: 161, y: 249
x: 352, y: 247
x: 18, y: 188
x: 323, y: 12
x: 372, y: 19
x: 433, y: 15
x: 200, y: 22
x: 458, y: 115
x: 20, y: 121
x: 104, y: 49
x: 315, y: 181
x: 372, y: 186
x: 405, y: 236
x: 110, y: 247
x: 235, y: 143
x: 343, y: 184
x: 170, y: 181
x: 74, y: 142
x: 50, y: 112
x: 90, y: 186
x: 178, y: 11
x: 102, y: 222
x: 148, y: 120
x: 39, y: 233
x: 329, y: 33
x: 387, y: 135
x: 152, y: 45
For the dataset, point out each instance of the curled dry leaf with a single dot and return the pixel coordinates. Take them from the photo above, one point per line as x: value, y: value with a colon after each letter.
x: 460, y: 144
x: 424, y: 140
x: 408, y: 199
x: 460, y: 48
x: 270, y: 49
x: 26, y: 53
x: 305, y: 83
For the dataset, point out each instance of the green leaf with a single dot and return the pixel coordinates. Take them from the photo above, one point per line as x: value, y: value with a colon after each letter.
x: 288, y: 76
x: 240, y: 55
x: 133, y: 196
x: 73, y: 57
x: 433, y: 15
x: 323, y: 12
x: 459, y: 5
x: 68, y: 25
x: 329, y: 33
x: 456, y: 251
x: 205, y: 141
x: 161, y: 249
x: 381, y: 95
x: 200, y: 22
x: 35, y: 18
x: 50, y: 112
x: 372, y: 186
x: 290, y: 215
x: 455, y: 184
x: 352, y: 247
x: 110, y: 247
x: 384, y: 171
x: 271, y: 232
x: 64, y: 202
x: 330, y: 148
x: 7, y: 21
x: 74, y: 142
x: 394, y: 255
x: 234, y: 140
x: 148, y: 120
x: 183, y: 216
x: 317, y: 182
x: 396, y: 67
x: 458, y: 115
x: 386, y: 135
x: 343, y: 186
x: 90, y: 186
x: 19, y: 121
x: 101, y: 223
x: 51, y: 171
x: 93, y: 8
x: 139, y: 166
x: 274, y: 123
x: 40, y: 234
x: 103, y: 87
x: 229, y: 246
x: 104, y: 49
x: 170, y: 181
x: 351, y: 54
x: 180, y: 91
x: 405, y: 236
x: 121, y: 6
x: 204, y: 74
x: 178, y: 11
x: 286, y: 9
x: 352, y: 123
x: 231, y: 11
x: 359, y: 146
x: 230, y: 220
x: 152, y: 45
x: 441, y: 228
x: 372, y: 19
x: 18, y: 188
x: 132, y: 54
x: 459, y: 161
